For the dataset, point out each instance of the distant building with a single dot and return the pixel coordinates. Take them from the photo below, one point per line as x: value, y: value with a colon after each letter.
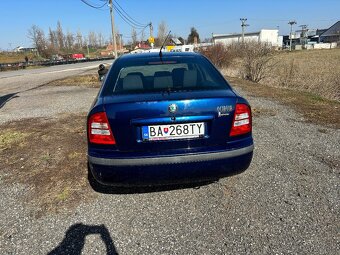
x: 23, y: 49
x: 332, y: 34
x: 110, y: 50
x: 270, y: 36
x: 314, y: 36
x: 143, y: 45
x: 176, y: 41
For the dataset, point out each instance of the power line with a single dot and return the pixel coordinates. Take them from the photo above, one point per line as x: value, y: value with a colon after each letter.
x: 126, y: 19
x: 121, y: 12
x: 130, y: 37
x: 132, y: 19
x: 93, y: 6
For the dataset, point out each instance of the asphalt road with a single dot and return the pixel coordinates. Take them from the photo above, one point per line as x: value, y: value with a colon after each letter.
x: 287, y: 202
x: 26, y: 94
x: 22, y: 80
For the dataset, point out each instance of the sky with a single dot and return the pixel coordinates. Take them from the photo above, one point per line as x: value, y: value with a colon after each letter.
x: 214, y: 16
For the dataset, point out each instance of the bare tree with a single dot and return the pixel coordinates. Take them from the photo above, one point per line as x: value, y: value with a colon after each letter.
x: 162, y: 33
x: 52, y: 37
x: 134, y: 37
x: 60, y: 36
x: 92, y: 39
x: 33, y: 35
x: 79, y: 39
x: 142, y: 36
x: 100, y: 39
x: 37, y: 36
x: 69, y: 40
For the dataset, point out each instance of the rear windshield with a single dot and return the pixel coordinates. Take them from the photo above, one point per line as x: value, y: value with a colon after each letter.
x: 181, y: 74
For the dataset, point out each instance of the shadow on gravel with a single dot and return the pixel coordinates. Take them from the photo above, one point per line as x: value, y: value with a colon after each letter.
x: 74, y: 239
x: 4, y: 99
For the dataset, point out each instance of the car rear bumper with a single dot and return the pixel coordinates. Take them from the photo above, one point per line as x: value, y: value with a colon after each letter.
x: 169, y: 169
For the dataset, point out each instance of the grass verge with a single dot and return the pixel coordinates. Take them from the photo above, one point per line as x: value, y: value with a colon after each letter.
x: 50, y: 161
x: 86, y: 80
x: 314, y: 108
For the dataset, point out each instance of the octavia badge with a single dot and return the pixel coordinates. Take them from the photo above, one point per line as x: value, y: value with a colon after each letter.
x: 172, y: 108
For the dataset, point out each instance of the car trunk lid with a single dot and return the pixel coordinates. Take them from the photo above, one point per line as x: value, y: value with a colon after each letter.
x: 130, y: 115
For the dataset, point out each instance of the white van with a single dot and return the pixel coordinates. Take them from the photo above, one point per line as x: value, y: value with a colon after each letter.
x: 183, y: 48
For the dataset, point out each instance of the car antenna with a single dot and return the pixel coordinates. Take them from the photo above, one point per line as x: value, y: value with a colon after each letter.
x: 160, y: 51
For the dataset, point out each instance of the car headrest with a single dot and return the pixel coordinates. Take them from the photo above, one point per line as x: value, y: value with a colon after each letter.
x: 190, y: 78
x: 177, y: 76
x: 132, y: 82
x: 162, y: 79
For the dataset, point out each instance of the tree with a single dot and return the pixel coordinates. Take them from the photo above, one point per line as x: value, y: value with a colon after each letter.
x: 79, y: 40
x: 134, y: 37
x: 52, y: 37
x: 192, y: 35
x: 37, y: 36
x: 60, y: 36
x: 92, y: 39
x: 161, y: 33
x: 100, y: 39
x: 69, y: 40
x: 142, y: 36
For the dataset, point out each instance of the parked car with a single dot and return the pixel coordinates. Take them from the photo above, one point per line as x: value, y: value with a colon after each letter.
x: 168, y: 118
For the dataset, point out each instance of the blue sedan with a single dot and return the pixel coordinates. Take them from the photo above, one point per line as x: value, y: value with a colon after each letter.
x: 169, y: 118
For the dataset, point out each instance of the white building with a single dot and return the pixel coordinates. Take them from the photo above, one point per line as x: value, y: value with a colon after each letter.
x: 270, y: 36
x: 23, y: 49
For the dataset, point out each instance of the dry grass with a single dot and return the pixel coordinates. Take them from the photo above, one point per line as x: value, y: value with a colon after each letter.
x: 51, y: 161
x: 314, y: 71
x: 87, y: 80
x: 11, y: 57
x: 315, y: 109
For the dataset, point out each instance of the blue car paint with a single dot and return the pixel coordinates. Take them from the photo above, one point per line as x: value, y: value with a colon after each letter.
x: 128, y: 113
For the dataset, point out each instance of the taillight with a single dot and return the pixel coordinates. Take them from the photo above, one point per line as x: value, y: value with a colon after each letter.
x: 242, y: 120
x: 99, y: 129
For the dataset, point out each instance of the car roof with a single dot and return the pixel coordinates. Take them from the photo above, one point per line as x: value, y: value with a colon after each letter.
x: 165, y: 55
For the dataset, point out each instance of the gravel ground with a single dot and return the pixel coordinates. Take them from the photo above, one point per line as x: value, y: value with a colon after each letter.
x: 287, y: 202
x: 47, y: 101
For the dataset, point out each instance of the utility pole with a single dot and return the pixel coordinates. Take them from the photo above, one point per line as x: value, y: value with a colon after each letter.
x: 120, y: 42
x: 151, y: 29
x: 291, y: 23
x: 151, y: 35
x: 303, y: 36
x: 113, y: 29
x: 243, y: 25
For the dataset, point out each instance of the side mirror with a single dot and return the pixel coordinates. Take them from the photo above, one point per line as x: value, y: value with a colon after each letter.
x: 102, y: 71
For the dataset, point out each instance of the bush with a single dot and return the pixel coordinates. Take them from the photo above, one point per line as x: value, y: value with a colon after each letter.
x: 257, y: 61
x: 219, y: 55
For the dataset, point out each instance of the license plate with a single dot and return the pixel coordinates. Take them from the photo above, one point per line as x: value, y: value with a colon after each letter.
x: 173, y: 131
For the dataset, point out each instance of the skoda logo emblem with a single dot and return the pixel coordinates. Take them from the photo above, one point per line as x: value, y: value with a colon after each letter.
x: 172, y: 108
